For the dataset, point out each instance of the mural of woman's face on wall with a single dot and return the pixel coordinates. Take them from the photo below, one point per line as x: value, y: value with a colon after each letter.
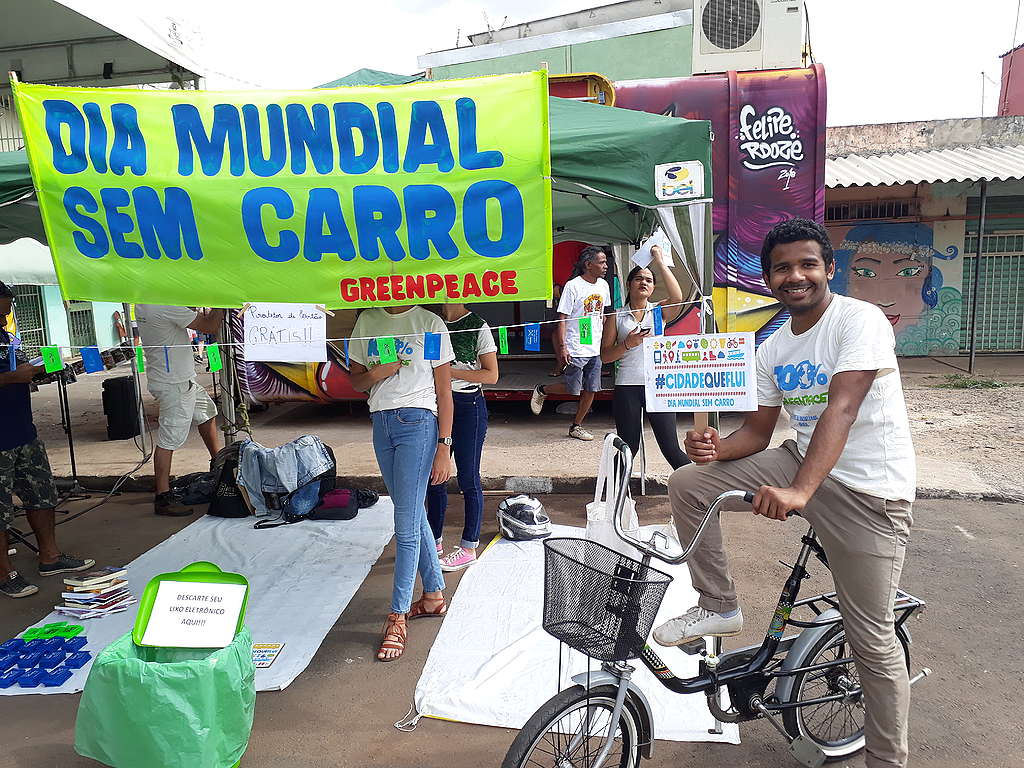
x: 892, y: 276
x: 891, y: 265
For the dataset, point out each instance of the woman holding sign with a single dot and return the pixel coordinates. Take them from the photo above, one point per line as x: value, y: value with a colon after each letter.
x: 623, y: 339
x: 406, y: 369
x: 476, y: 364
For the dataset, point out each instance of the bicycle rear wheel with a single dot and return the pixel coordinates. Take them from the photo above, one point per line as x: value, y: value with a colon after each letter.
x: 570, y: 728
x: 837, y: 727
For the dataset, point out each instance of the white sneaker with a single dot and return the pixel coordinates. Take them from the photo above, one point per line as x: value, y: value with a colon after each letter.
x: 696, y: 623
x: 537, y: 400
x: 579, y: 433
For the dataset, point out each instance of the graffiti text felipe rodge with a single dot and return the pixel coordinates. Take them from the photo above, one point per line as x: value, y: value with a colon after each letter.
x: 769, y: 139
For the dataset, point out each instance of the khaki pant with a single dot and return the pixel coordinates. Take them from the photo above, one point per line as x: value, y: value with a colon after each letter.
x: 865, y: 538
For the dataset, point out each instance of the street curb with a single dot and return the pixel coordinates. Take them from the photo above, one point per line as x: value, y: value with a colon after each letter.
x: 580, y: 485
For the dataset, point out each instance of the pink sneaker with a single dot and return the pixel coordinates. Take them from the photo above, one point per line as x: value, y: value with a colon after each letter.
x: 458, y: 559
x: 440, y: 549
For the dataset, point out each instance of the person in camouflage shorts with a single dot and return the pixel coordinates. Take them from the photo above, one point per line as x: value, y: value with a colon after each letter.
x: 25, y: 471
x: 24, y: 467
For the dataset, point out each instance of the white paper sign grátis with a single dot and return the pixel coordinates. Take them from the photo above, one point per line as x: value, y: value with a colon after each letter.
x: 285, y: 333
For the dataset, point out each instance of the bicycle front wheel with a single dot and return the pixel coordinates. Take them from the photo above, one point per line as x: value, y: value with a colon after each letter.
x: 570, y: 729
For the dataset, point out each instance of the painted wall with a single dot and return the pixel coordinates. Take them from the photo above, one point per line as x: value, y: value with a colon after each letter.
x: 912, y: 270
x: 662, y: 53
x: 768, y: 163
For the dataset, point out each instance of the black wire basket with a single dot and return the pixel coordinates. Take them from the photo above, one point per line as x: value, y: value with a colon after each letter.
x: 599, y: 601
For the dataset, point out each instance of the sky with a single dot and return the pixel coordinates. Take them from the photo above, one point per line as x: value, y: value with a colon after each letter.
x: 885, y: 60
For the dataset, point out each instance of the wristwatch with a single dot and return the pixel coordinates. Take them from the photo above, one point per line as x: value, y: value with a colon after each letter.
x: 444, y: 441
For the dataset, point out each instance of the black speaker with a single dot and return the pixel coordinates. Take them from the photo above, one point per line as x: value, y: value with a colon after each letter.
x: 121, y: 408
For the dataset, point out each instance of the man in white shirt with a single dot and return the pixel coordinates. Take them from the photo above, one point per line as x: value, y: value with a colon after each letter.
x: 850, y: 472
x: 171, y: 378
x: 585, y: 296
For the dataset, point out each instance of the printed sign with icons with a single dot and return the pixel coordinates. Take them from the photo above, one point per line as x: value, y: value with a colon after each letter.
x: 713, y: 372
x: 679, y: 181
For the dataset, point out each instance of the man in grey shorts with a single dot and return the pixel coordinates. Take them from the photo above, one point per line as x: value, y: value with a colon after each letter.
x: 171, y: 378
x: 851, y: 472
x: 585, y: 296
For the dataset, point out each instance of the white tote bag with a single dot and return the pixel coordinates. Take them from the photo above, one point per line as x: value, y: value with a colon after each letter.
x: 600, y: 527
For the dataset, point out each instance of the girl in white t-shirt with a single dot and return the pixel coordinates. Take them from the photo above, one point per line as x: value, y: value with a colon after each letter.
x: 411, y: 406
x: 476, y: 364
x: 624, y: 334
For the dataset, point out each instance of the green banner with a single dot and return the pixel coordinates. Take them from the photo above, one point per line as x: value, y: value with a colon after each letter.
x: 347, y: 197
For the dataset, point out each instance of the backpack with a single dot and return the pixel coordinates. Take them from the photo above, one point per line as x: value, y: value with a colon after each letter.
x: 228, y: 500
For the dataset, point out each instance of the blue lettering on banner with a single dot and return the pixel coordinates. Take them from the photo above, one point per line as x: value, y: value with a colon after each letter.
x: 349, y: 117
x: 269, y: 162
x: 474, y: 218
x: 190, y: 133
x: 252, y: 221
x: 469, y: 157
x: 425, y: 230
x: 312, y: 136
x: 324, y: 212
x: 803, y: 375
x: 427, y: 118
x: 127, y: 150
x: 378, y: 216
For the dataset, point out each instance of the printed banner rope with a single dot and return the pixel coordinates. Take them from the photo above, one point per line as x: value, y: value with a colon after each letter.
x: 625, y: 310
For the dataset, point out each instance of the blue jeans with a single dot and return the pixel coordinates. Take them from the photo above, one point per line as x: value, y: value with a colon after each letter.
x: 405, y: 441
x: 469, y: 428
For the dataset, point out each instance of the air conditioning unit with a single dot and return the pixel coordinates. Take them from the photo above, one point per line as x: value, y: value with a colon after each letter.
x: 746, y: 35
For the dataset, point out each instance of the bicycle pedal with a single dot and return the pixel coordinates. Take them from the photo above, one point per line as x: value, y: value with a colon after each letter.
x: 693, y: 647
x: 806, y: 752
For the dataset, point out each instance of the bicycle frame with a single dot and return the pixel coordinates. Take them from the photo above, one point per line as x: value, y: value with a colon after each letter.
x: 763, y: 662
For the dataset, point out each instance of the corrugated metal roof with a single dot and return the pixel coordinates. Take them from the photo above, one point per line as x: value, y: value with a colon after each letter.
x: 959, y: 164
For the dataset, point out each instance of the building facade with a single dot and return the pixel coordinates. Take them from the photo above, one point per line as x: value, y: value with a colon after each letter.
x: 903, y: 204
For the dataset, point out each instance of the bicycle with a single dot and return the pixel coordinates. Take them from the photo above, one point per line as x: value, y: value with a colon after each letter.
x: 603, y: 604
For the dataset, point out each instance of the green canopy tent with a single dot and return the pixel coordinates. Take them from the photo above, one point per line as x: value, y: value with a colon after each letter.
x: 603, y: 163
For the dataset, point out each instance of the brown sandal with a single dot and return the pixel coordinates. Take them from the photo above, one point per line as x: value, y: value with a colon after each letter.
x: 394, y: 637
x: 438, y: 607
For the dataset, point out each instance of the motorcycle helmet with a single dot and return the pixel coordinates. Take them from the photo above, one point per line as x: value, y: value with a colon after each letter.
x: 522, y: 518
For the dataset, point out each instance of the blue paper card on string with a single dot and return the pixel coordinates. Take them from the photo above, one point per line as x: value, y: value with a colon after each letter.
x: 531, y: 337
x: 91, y: 360
x: 431, y: 346
x: 348, y: 363
x: 659, y: 322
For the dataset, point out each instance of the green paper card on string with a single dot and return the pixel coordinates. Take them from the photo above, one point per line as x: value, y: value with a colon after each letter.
x: 51, y: 359
x: 503, y: 340
x: 213, y: 355
x: 386, y: 350
x: 586, y: 331
x: 140, y: 360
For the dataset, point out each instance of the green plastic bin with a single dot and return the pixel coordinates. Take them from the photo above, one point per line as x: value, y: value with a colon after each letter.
x: 168, y: 707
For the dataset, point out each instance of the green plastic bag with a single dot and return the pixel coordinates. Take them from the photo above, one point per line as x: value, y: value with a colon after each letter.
x: 168, y: 707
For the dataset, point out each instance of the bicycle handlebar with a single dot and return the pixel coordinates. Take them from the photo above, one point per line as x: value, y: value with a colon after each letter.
x: 624, y: 472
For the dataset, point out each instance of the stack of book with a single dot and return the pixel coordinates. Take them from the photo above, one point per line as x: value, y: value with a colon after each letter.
x: 96, y: 593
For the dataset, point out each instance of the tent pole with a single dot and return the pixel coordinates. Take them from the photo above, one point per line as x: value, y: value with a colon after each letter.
x: 707, y: 283
x: 227, y: 381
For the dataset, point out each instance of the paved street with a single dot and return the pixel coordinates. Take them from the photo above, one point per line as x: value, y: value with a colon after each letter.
x: 965, y: 561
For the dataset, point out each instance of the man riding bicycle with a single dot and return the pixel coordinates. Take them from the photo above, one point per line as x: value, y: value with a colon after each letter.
x: 851, y: 471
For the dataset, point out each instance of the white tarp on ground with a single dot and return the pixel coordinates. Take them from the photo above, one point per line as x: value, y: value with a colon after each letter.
x: 493, y: 664
x: 301, y: 578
